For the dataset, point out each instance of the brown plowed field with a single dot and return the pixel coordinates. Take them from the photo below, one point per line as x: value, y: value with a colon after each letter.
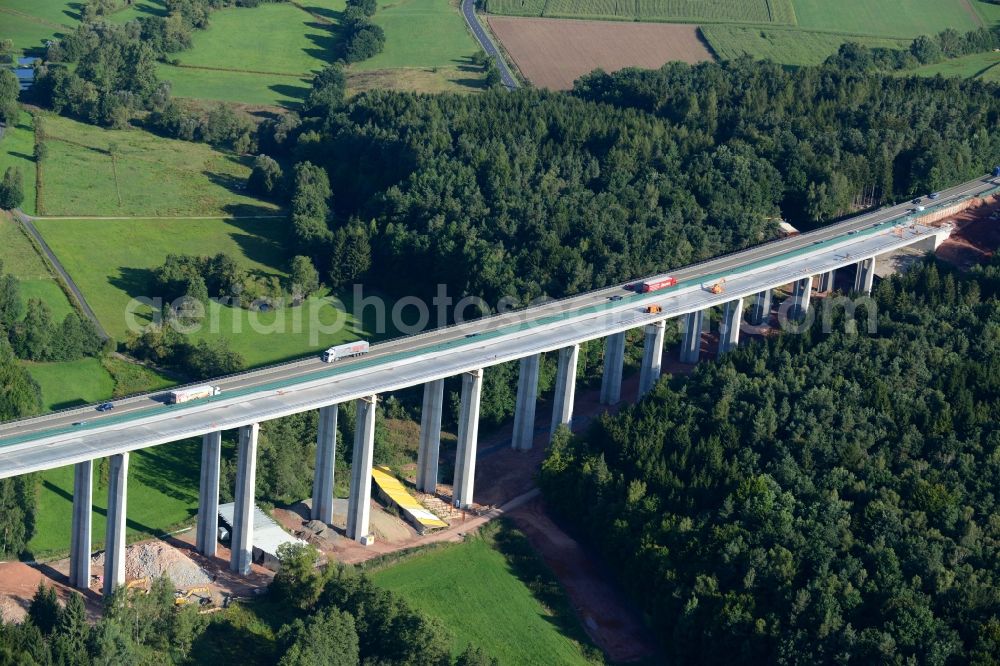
x: 552, y: 53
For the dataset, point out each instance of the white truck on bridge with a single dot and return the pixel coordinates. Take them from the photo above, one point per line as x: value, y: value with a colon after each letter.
x: 192, y: 393
x: 345, y: 351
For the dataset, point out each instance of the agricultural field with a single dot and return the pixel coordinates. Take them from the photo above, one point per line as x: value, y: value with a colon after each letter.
x: 982, y: 66
x: 552, y: 53
x: 94, y: 171
x: 451, y: 582
x: 111, y: 262
x: 163, y: 493
x: 17, y: 148
x: 891, y: 18
x: 795, y: 47
x: 29, y: 23
x: 778, y: 12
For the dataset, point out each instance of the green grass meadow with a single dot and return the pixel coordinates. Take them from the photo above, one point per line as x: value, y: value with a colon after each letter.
x: 94, y: 171
x: 421, y: 34
x: 162, y: 494
x: 784, y: 45
x: 17, y: 149
x: 475, y: 590
x: 983, y: 66
x: 891, y: 18
x: 110, y: 260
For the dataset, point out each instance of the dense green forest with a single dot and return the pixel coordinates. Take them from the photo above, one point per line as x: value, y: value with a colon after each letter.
x: 823, y: 498
x: 537, y: 193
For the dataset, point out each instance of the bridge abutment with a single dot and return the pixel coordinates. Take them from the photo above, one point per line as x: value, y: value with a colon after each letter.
x: 565, y: 392
x: 429, y: 451
x: 614, y: 364
x: 468, y: 437
x: 114, y: 536
x: 527, y: 400
x: 652, y: 357
x: 241, y: 543
x: 83, y: 501
x: 359, y: 502
x: 326, y: 459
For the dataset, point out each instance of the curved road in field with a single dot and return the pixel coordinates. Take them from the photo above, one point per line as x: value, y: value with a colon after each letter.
x: 469, y: 12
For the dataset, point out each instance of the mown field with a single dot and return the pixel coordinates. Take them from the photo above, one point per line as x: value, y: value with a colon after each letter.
x: 17, y: 149
x: 739, y: 11
x: 30, y: 22
x: 483, y: 597
x: 162, y: 494
x: 983, y: 66
x: 95, y: 171
x: 111, y: 261
x: 790, y: 46
x: 892, y: 18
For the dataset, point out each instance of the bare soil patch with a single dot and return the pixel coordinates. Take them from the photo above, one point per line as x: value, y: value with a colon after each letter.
x: 552, y: 53
x: 976, y: 236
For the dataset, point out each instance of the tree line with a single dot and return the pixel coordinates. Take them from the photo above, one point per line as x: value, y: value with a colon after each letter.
x: 822, y: 498
x: 335, y: 617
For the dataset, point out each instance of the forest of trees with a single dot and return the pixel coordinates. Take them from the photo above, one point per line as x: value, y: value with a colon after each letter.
x: 822, y: 498
x: 535, y: 193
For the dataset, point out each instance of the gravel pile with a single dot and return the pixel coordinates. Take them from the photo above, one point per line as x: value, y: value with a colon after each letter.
x: 153, y: 559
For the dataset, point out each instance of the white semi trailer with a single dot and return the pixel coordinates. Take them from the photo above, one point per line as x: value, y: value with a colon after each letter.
x: 345, y: 351
x: 193, y: 393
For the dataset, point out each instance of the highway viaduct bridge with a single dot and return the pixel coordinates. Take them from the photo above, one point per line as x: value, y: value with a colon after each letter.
x: 247, y: 399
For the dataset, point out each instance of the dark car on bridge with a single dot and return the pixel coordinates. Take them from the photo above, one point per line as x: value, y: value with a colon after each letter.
x: 105, y: 407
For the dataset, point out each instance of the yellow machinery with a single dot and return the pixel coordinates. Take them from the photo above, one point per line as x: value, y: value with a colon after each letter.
x: 202, y: 594
x: 718, y: 287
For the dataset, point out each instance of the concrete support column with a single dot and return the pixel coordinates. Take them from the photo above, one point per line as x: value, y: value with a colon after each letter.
x: 359, y: 503
x: 430, y: 436
x: 114, y: 536
x: 241, y: 545
x: 761, y: 308
x: 614, y: 364
x: 802, y: 294
x: 866, y: 276
x: 691, y: 344
x: 468, y: 438
x: 565, y: 393
x: 83, y: 501
x: 527, y: 399
x: 326, y: 459
x: 207, y: 538
x: 826, y: 281
x: 729, y: 335
x: 652, y: 357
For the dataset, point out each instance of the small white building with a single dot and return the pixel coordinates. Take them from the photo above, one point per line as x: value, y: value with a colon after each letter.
x: 267, y: 535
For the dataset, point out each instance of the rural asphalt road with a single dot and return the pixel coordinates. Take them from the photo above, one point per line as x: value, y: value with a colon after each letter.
x: 469, y: 11
x: 33, y: 231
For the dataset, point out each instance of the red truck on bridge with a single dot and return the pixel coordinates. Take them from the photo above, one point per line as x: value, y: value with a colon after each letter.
x: 655, y: 285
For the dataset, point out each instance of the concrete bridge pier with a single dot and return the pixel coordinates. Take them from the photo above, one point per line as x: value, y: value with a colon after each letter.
x: 527, y: 400
x: 866, y: 276
x: 207, y: 538
x: 801, y: 295
x: 468, y: 438
x: 761, y: 308
x: 614, y: 364
x: 326, y: 459
x: 652, y: 357
x: 826, y: 281
x: 565, y: 393
x: 691, y: 343
x: 114, y: 536
x: 359, y: 502
x: 241, y: 543
x: 729, y: 335
x: 430, y: 436
x: 83, y: 501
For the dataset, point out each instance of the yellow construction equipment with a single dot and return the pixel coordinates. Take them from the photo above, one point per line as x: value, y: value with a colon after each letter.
x: 718, y: 287
x: 414, y: 512
x: 202, y: 594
